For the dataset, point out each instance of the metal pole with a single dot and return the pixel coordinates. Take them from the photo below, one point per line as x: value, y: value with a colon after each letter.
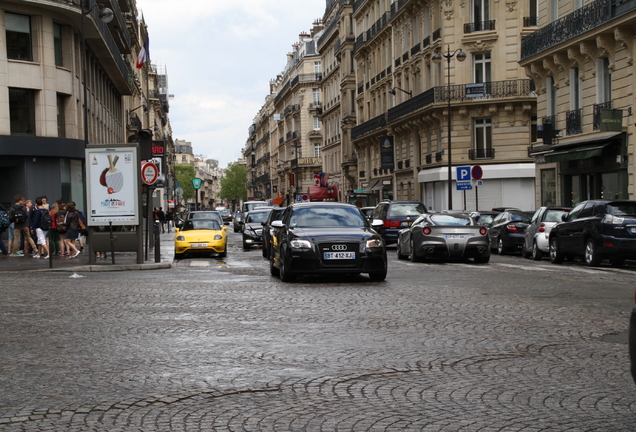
x: 450, y: 158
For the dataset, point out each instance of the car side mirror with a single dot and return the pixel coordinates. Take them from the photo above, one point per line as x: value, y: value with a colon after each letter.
x: 277, y: 224
x: 263, y: 223
x: 224, y: 228
x: 564, y: 217
x: 377, y: 222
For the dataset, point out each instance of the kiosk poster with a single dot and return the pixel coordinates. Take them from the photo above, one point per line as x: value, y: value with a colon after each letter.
x: 113, y: 186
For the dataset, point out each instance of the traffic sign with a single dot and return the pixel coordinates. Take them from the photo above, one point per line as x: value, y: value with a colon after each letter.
x: 196, y: 183
x: 463, y: 185
x: 149, y: 173
x: 476, y: 172
x: 463, y: 173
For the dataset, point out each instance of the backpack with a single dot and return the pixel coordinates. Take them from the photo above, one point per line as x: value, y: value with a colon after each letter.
x: 19, y: 215
x: 60, y: 221
x: 46, y: 221
x: 4, y: 220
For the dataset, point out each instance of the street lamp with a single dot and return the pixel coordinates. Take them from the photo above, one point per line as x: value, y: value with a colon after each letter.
x: 437, y: 58
x: 392, y: 91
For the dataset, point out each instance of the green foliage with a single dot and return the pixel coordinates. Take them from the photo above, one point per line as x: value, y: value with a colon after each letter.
x: 185, y: 174
x: 233, y: 183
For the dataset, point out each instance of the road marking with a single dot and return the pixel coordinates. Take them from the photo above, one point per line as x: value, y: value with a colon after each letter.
x: 199, y: 264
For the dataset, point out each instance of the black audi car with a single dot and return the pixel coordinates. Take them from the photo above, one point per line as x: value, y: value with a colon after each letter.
x: 325, y: 237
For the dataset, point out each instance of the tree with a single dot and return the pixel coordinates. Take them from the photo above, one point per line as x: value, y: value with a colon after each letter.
x: 233, y: 183
x: 185, y: 174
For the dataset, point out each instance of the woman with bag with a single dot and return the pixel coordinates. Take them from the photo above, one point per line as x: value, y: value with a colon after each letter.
x: 60, y: 216
x: 73, y: 227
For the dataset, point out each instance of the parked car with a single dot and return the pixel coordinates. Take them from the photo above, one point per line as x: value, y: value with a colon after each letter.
x: 226, y: 214
x: 200, y: 236
x: 206, y: 214
x: 444, y: 236
x: 507, y: 230
x: 536, y: 241
x: 596, y: 230
x: 246, y: 206
x: 389, y: 217
x: 275, y: 214
x: 252, y: 226
x: 323, y: 238
x: 236, y: 221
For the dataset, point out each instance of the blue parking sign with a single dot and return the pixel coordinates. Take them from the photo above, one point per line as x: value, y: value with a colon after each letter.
x: 463, y: 173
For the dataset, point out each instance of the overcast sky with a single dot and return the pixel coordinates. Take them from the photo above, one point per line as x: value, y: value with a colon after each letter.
x: 220, y: 57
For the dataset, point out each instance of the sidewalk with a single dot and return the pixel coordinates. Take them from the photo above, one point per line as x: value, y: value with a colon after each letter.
x: 123, y: 260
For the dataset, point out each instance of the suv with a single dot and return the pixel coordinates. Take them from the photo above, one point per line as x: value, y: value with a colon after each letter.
x: 389, y: 217
x: 596, y: 229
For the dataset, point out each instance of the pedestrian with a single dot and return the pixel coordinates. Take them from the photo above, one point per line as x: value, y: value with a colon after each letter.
x: 162, y: 219
x: 73, y: 227
x: 3, y: 228
x: 83, y: 231
x: 18, y: 215
x: 54, y: 235
x: 60, y: 216
x: 41, y: 225
x: 28, y: 249
x: 170, y: 220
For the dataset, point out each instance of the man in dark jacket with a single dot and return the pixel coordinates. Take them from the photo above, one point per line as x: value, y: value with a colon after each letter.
x: 18, y: 215
x: 3, y: 248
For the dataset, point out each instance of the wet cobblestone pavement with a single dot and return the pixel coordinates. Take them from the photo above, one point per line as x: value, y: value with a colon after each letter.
x: 221, y: 345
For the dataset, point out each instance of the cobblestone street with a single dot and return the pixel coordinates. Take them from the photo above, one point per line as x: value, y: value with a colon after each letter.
x: 513, y: 345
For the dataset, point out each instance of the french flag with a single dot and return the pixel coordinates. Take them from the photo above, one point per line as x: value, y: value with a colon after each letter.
x: 144, y: 54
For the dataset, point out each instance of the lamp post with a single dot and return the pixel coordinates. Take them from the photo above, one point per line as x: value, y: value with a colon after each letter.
x: 392, y: 91
x: 437, y: 58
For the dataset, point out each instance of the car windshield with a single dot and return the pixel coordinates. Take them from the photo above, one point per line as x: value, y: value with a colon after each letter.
x: 486, y: 219
x: 451, y: 219
x: 406, y: 210
x: 204, y: 215
x: 520, y: 216
x: 622, y: 209
x: 257, y: 217
x: 554, y: 215
x: 199, y: 224
x: 327, y: 217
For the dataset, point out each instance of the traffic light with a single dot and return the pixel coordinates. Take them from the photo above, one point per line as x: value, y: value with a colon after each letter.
x: 145, y: 144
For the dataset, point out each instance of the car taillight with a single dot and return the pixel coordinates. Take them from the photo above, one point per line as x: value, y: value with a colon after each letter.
x: 391, y: 224
x: 426, y: 230
x: 483, y: 231
x: 512, y: 228
x: 542, y: 227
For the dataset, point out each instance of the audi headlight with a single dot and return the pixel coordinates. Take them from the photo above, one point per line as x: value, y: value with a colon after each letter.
x: 300, y: 244
x: 181, y: 238
x: 218, y: 237
x: 374, y: 243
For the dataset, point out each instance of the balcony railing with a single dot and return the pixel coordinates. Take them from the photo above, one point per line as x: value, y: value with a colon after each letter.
x: 573, y: 122
x: 481, y: 153
x: 597, y: 113
x: 530, y: 21
x: 582, y: 20
x: 479, y: 26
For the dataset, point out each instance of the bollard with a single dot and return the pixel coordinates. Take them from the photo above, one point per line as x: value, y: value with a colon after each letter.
x: 157, y: 245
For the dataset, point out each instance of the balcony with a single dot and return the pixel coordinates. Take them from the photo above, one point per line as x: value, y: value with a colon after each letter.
x: 597, y: 113
x: 573, y: 122
x: 482, y: 153
x: 479, y: 26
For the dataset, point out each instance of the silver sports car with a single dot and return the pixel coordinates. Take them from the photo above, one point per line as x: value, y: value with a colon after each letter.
x: 444, y: 236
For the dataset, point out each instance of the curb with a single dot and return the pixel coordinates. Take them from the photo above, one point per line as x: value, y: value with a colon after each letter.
x: 104, y: 268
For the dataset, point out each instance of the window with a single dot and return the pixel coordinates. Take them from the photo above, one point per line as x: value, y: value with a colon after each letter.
x: 482, y: 68
x: 18, y: 36
x: 481, y: 11
x: 61, y: 117
x: 57, y: 44
x: 575, y: 89
x: 315, y: 96
x: 603, y: 81
x: 483, y: 138
x: 316, y: 123
x: 548, y: 187
x: 317, y: 150
x: 554, y: 10
x: 22, y: 111
x: 551, y: 94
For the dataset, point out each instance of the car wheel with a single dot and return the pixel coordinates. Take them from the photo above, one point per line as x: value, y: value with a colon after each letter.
x: 413, y: 256
x: 592, y: 258
x: 524, y: 250
x: 536, y: 253
x: 224, y: 253
x: 556, y: 256
x: 501, y: 248
x: 400, y: 255
x: 482, y: 259
x: 617, y: 262
x: 283, y: 270
x: 273, y: 270
x: 378, y: 276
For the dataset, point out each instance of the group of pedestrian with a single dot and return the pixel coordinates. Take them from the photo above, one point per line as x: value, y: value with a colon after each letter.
x: 165, y: 220
x: 41, y: 230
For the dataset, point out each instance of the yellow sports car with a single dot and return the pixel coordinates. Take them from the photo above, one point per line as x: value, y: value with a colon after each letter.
x: 200, y: 236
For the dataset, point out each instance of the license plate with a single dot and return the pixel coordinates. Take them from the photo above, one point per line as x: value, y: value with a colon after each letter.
x: 199, y: 245
x: 454, y: 237
x: 406, y: 224
x: 339, y: 255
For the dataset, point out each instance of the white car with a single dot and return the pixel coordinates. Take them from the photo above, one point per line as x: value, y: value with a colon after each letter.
x: 536, y: 241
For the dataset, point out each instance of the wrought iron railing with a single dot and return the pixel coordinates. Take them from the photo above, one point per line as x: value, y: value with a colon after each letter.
x: 479, y: 26
x: 481, y: 153
x: 574, y: 121
x: 596, y: 121
x: 530, y: 21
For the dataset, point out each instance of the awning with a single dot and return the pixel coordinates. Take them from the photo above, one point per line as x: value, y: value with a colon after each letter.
x: 373, y: 185
x: 575, y: 154
x: 322, y: 193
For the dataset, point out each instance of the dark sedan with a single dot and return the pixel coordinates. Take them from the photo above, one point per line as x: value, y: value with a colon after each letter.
x: 274, y: 215
x: 323, y: 238
x: 508, y: 229
x: 596, y: 230
x: 252, y: 226
x: 444, y: 236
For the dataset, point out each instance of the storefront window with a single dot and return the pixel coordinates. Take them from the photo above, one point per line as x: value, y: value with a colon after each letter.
x: 548, y: 187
